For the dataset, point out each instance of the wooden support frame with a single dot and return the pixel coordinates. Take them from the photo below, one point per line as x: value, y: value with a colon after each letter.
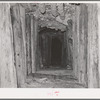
x: 28, y: 44
x: 80, y: 34
x: 34, y: 32
x: 86, y: 39
x: 18, y: 25
x: 98, y: 5
x: 93, y: 46
x: 8, y: 78
x: 87, y: 58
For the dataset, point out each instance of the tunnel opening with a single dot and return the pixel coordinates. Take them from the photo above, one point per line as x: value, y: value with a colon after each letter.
x: 53, y: 49
x: 55, y: 55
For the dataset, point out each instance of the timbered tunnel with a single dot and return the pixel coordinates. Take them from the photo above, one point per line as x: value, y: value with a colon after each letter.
x: 52, y: 48
x: 49, y: 39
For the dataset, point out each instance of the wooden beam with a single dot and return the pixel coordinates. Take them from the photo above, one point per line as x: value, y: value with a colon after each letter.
x: 93, y: 47
x: 99, y: 39
x: 28, y: 44
x: 23, y: 27
x: 18, y: 13
x: 7, y: 68
x: 80, y: 32
x: 82, y: 52
x: 76, y: 41
x: 33, y: 42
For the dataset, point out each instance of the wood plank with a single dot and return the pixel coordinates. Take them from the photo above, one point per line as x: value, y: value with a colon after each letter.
x: 98, y: 5
x: 28, y: 44
x: 19, y: 44
x: 7, y: 68
x: 82, y: 44
x: 33, y: 42
x: 92, y: 70
x: 75, y: 53
x: 78, y: 42
x: 22, y: 22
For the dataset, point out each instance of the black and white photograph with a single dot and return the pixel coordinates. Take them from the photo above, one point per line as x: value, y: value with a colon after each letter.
x: 49, y: 45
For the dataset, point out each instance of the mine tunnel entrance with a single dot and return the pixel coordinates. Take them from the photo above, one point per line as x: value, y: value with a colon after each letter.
x: 44, y: 48
x: 52, y: 49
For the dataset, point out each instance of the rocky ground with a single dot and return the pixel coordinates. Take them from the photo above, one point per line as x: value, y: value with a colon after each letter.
x: 51, y: 83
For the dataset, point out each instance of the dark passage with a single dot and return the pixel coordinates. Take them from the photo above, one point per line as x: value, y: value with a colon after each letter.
x: 56, y: 52
x: 52, y: 49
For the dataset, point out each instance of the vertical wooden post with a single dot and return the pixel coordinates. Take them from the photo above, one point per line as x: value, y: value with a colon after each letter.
x: 74, y: 42
x: 70, y: 45
x: 93, y: 47
x: 65, y: 48
x: 99, y: 40
x: 7, y: 67
x: 18, y: 15
x: 32, y: 45
x: 37, y: 53
x: 75, y: 49
x: 66, y: 37
x: 78, y: 42
x: 80, y: 31
x: 22, y: 22
x: 82, y: 52
x: 28, y: 44
x: 33, y: 42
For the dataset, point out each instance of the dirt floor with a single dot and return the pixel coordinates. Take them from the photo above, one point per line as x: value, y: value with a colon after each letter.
x: 46, y: 82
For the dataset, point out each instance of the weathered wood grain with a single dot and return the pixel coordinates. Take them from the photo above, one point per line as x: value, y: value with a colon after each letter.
x: 92, y: 69
x: 33, y: 42
x: 98, y: 5
x: 19, y: 42
x: 7, y: 68
x: 83, y: 25
x: 28, y: 44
